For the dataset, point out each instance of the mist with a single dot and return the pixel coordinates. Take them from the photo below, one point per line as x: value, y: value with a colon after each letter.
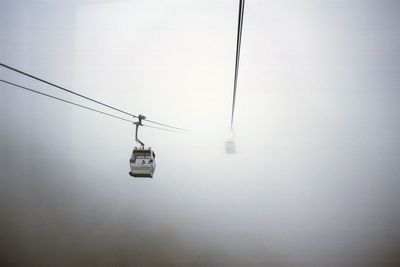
x: 315, y: 178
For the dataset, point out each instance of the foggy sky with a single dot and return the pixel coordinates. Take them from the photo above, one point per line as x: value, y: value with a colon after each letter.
x: 315, y: 178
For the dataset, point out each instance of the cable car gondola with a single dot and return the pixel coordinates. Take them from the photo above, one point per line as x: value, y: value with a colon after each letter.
x: 142, y: 162
x: 230, y: 147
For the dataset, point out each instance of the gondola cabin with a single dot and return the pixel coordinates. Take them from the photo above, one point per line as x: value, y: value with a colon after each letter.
x: 230, y: 147
x: 142, y: 163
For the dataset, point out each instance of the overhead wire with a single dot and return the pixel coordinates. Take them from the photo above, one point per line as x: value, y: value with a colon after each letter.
x: 83, y: 96
x: 81, y: 106
x: 65, y: 89
x: 162, y: 124
x: 63, y: 100
x: 238, y: 45
x: 164, y: 129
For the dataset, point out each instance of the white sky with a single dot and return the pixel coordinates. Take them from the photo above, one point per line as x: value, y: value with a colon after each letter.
x: 315, y: 178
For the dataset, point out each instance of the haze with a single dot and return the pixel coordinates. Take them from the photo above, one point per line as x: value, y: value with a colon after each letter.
x: 315, y: 179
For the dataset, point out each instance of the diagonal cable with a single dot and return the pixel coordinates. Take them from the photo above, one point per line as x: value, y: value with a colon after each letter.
x: 164, y: 129
x: 82, y: 106
x: 65, y: 89
x: 63, y: 100
x: 85, y: 97
x: 166, y: 125
x: 238, y: 44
